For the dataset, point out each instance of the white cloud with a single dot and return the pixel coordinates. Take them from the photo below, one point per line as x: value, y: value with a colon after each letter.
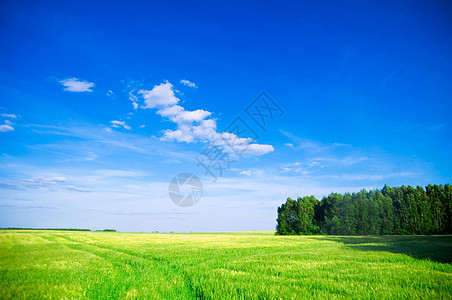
x: 370, y: 177
x: 110, y: 94
x: 130, y: 88
x: 76, y: 189
x: 257, y: 149
x: 119, y: 124
x: 76, y: 85
x: 313, y: 164
x: 40, y: 183
x: 170, y: 111
x: 120, y: 173
x: 296, y: 167
x: 160, y: 96
x: 11, y: 116
x: 98, y: 139
x: 33, y: 183
x: 190, y: 116
x: 188, y: 83
x: 245, y: 172
x: 87, y: 156
x: 6, y: 128
x: 177, y: 135
x: 197, y: 125
x: 290, y: 145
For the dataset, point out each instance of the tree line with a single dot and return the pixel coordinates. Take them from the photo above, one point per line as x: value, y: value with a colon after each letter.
x: 391, y: 210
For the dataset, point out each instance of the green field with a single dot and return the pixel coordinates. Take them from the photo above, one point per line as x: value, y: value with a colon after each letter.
x: 69, y: 264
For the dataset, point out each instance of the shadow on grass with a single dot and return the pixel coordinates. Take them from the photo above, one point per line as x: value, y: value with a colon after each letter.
x: 436, y: 248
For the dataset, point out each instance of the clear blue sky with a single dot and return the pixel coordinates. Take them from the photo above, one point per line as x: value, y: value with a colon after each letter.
x: 102, y: 103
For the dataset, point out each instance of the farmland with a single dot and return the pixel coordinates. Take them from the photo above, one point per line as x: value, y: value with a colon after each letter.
x: 99, y: 265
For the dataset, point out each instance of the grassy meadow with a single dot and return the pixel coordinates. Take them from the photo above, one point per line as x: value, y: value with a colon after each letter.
x: 56, y: 264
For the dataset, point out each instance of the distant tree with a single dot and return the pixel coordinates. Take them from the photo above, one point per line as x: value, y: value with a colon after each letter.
x: 387, y: 215
x: 362, y: 208
x: 435, y: 193
x: 448, y: 207
x: 297, y: 217
x: 424, y: 212
x: 391, y: 210
x: 374, y: 204
x: 305, y: 215
x: 281, y: 222
x: 327, y: 211
x: 347, y: 216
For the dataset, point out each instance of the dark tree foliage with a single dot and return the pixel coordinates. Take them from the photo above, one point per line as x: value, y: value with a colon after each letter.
x: 391, y: 210
x: 295, y: 217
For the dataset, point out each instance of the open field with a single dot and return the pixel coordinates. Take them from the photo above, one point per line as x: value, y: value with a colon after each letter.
x: 70, y: 264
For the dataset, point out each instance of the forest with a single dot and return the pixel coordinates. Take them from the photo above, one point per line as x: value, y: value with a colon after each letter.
x: 401, y: 210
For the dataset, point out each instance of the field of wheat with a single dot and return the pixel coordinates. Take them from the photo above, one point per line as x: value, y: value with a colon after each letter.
x: 99, y: 265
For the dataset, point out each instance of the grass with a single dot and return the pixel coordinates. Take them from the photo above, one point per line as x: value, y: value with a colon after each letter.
x: 101, y: 265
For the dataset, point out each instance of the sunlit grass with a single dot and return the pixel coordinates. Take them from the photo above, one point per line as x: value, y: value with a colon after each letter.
x: 64, y: 264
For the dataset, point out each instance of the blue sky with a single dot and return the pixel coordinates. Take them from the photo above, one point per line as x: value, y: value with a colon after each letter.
x: 103, y: 103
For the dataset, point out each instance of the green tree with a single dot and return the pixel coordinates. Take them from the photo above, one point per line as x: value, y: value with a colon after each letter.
x: 448, y: 207
x: 387, y: 215
x: 347, y: 216
x: 305, y: 215
x: 391, y: 210
x: 436, y: 195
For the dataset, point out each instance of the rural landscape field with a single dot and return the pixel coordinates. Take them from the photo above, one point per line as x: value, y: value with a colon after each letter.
x: 43, y: 264
x: 232, y: 149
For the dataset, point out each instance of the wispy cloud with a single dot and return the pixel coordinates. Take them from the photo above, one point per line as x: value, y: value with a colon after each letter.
x: 131, y: 88
x: 119, y: 124
x: 50, y: 183
x: 245, y: 172
x: 101, y: 140
x: 26, y: 206
x: 296, y: 167
x: 77, y: 85
x: 438, y: 126
x: 80, y: 156
x: 301, y: 143
x: 419, y: 126
x: 188, y: 83
x: 120, y: 173
x: 10, y: 116
x: 6, y: 128
x: 110, y: 94
x: 371, y: 177
x: 338, y: 162
x: 76, y: 189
